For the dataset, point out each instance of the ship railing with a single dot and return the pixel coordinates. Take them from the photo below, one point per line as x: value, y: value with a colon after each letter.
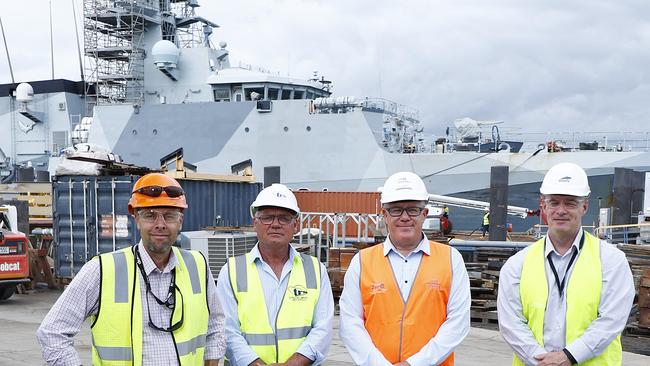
x: 614, y: 234
x: 260, y: 69
x: 625, y: 234
x: 572, y: 141
x: 391, y: 108
x: 333, y: 228
x: 539, y: 230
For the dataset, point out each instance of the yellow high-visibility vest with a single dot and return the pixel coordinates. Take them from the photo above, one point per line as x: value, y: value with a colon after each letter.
x: 117, y: 327
x: 294, y: 319
x: 582, y: 297
x: 486, y: 219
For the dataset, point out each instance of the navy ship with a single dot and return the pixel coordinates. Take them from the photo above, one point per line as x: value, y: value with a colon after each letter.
x: 155, y: 82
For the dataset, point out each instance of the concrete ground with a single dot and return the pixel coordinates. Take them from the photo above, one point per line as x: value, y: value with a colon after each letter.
x: 21, y: 315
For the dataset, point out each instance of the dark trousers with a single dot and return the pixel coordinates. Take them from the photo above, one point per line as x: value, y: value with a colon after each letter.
x: 485, y: 229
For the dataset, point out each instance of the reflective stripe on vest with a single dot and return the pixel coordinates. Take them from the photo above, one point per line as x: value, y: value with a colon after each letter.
x: 294, y: 318
x: 395, y: 325
x: 582, y: 297
x: 111, y: 329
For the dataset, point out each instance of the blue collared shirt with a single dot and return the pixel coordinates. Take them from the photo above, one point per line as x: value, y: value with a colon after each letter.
x: 318, y: 340
x: 451, y: 333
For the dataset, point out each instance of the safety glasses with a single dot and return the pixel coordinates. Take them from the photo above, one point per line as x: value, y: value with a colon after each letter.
x: 155, y: 191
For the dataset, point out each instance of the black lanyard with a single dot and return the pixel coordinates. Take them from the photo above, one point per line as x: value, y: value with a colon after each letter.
x: 169, y: 299
x: 560, y: 285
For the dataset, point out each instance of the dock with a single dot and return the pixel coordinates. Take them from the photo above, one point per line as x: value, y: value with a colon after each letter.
x: 21, y: 315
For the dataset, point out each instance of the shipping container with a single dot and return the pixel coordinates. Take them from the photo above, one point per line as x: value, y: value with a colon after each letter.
x: 339, y: 202
x: 90, y: 214
x: 348, y: 202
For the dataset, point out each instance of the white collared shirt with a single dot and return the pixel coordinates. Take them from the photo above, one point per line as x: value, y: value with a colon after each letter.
x: 451, y: 333
x: 616, y: 299
x: 317, y: 342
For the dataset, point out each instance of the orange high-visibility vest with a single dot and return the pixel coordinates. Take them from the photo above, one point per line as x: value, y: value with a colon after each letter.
x: 399, y: 328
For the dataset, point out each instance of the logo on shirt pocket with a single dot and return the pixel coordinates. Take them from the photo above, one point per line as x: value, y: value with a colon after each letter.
x: 298, y: 293
x: 377, y: 288
x: 433, y: 285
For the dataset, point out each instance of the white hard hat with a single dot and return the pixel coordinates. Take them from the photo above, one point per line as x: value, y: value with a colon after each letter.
x: 566, y: 179
x: 404, y: 186
x: 275, y: 195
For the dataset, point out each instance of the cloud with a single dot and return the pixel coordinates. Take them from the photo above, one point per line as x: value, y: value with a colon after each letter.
x: 538, y: 65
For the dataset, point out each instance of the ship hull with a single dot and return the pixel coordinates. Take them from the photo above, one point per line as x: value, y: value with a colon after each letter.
x: 339, y: 152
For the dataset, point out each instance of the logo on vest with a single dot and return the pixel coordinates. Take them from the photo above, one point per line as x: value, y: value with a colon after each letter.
x: 433, y: 285
x: 377, y: 288
x: 298, y: 293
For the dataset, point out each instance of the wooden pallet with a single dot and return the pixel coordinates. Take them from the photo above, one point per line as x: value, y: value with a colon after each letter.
x: 484, y: 316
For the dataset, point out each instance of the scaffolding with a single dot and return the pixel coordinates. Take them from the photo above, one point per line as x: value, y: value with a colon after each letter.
x: 189, y: 30
x: 113, y: 38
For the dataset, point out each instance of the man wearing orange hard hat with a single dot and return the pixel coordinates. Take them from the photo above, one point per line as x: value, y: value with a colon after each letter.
x: 149, y: 304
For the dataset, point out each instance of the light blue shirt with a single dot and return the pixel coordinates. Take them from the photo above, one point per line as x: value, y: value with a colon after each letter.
x: 451, y: 333
x: 314, y: 347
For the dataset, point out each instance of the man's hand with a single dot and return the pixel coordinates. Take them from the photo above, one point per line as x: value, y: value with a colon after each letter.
x: 257, y: 362
x: 298, y: 360
x: 403, y: 363
x: 553, y: 359
x: 211, y: 363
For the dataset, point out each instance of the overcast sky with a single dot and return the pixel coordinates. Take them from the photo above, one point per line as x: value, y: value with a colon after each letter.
x: 537, y: 65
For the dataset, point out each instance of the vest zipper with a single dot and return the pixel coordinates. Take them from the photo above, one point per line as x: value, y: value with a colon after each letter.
x: 401, y: 334
x: 277, y: 346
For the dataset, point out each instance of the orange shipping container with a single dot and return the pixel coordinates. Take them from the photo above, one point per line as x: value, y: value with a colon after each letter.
x: 340, y: 202
x: 349, y: 202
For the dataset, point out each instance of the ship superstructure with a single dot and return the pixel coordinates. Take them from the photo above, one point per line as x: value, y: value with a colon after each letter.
x: 156, y: 83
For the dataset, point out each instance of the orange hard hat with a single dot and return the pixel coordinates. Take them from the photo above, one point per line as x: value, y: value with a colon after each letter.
x: 155, y: 190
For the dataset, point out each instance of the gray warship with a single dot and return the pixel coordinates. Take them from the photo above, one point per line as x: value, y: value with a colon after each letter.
x: 154, y: 82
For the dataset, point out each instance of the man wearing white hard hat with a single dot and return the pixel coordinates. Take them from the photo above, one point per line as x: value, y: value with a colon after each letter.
x: 278, y: 302
x: 405, y: 301
x: 566, y: 298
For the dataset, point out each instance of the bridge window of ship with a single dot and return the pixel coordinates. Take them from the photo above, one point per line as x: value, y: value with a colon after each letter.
x: 298, y: 94
x: 286, y: 94
x: 221, y: 94
x: 273, y: 93
x: 254, y: 93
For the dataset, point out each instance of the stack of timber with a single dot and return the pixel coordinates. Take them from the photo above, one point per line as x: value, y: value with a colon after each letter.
x: 484, y: 281
x: 638, y: 256
x: 338, y: 262
x: 37, y: 194
x: 641, y: 327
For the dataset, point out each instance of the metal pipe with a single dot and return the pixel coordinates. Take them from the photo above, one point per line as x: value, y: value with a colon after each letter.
x: 113, y: 210
x: 85, y: 186
x: 71, y: 228
x: 4, y: 39
x: 76, y: 33
x: 97, y: 222
x: 522, y: 212
x: 489, y: 243
x: 51, y: 41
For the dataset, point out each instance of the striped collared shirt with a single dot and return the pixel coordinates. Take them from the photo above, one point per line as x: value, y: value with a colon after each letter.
x: 81, y: 300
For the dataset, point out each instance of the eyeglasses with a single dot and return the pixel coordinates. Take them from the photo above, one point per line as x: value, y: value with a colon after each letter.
x: 169, y: 302
x: 398, y: 211
x: 268, y: 219
x: 156, y: 191
x: 570, y: 204
x: 169, y: 217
